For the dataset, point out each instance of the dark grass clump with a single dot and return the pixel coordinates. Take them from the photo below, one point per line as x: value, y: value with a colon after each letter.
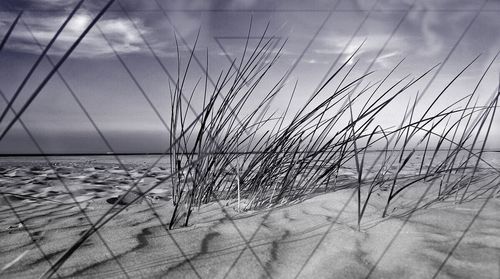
x: 266, y: 160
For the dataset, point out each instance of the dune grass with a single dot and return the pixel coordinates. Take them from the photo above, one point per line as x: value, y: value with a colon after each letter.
x: 305, y: 154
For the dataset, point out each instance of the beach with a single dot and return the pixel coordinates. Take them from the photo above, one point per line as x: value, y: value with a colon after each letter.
x: 315, y: 237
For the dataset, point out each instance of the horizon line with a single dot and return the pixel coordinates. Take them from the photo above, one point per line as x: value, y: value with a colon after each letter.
x: 186, y: 153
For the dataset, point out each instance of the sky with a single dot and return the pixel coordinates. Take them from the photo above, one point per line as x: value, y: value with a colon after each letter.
x: 123, y: 46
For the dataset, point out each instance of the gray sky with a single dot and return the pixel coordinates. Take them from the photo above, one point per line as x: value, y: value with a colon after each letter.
x: 424, y: 32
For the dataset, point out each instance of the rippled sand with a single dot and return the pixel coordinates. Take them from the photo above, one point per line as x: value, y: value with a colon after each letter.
x: 315, y: 238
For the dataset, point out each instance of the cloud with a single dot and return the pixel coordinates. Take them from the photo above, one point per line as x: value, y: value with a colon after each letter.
x: 427, y: 24
x: 436, y: 25
x: 120, y: 32
x: 428, y: 30
x: 371, y: 46
x: 424, y: 33
x: 387, y: 60
x: 314, y: 61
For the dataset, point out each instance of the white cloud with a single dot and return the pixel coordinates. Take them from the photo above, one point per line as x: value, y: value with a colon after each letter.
x: 386, y: 60
x: 373, y: 43
x: 120, y: 32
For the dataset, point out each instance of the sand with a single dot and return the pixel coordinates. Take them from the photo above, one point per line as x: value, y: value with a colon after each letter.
x: 313, y: 238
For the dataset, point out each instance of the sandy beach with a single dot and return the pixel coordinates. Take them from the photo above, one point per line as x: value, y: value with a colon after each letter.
x: 312, y: 238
